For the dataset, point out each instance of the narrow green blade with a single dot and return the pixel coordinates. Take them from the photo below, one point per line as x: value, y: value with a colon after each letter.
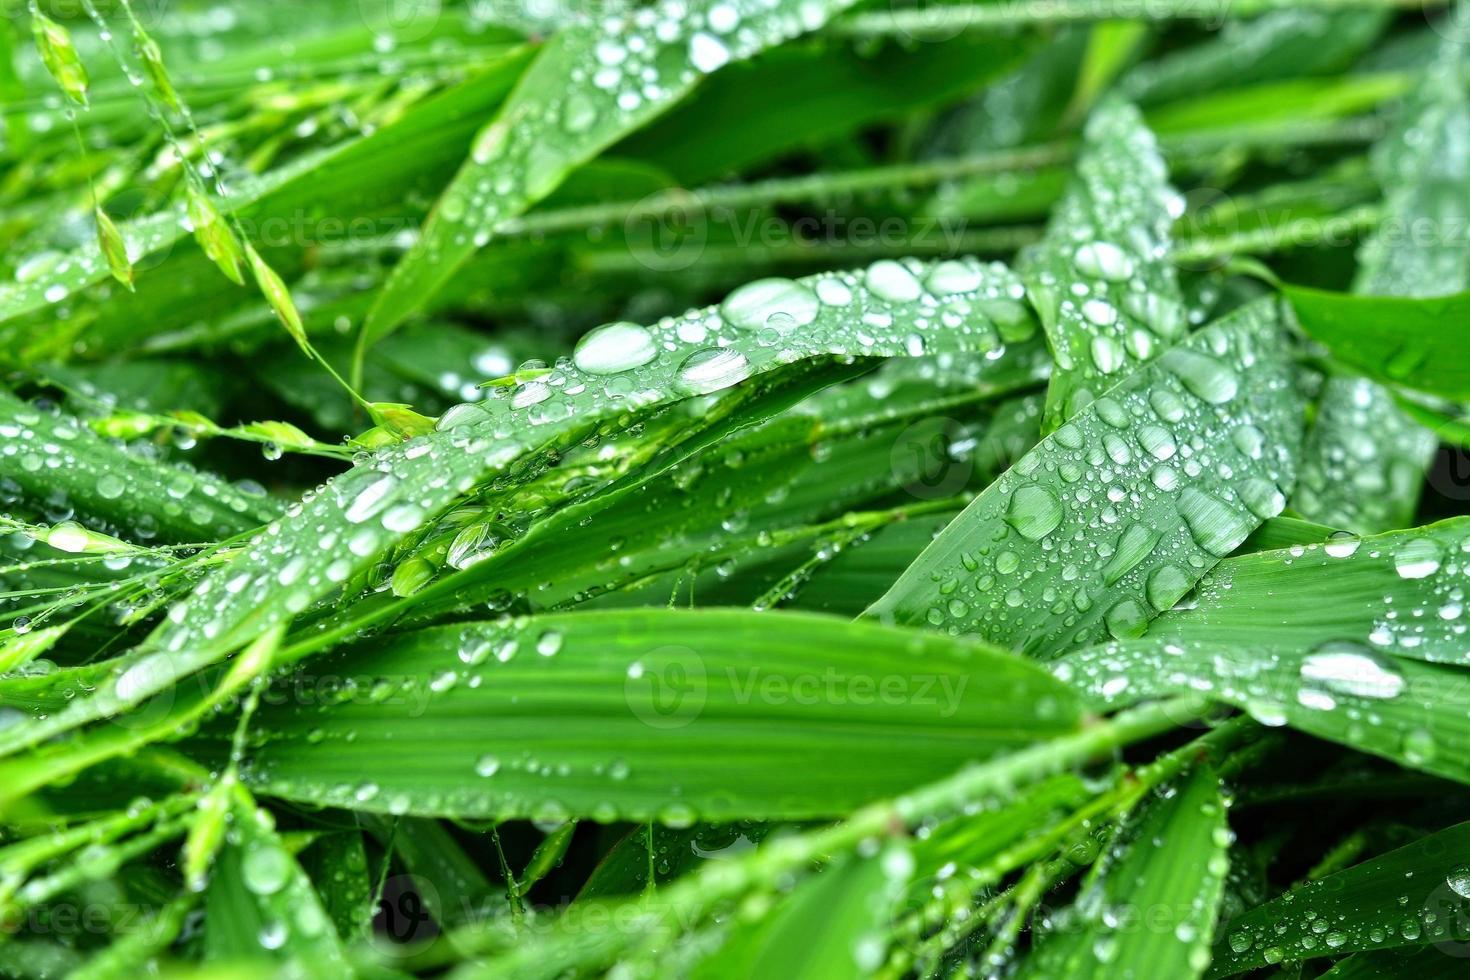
x: 637, y: 714
x: 592, y: 84
x: 1102, y: 280
x: 1148, y: 908
x: 1415, y: 896
x: 1112, y: 518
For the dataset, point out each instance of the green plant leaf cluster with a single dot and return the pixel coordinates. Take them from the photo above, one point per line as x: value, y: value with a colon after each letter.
x: 734, y: 488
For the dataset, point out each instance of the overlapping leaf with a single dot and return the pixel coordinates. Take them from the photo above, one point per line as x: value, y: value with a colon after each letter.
x: 1114, y: 517
x: 1414, y: 896
x: 592, y: 83
x: 630, y: 715
x: 1372, y: 484
x: 1102, y: 280
x: 617, y: 376
x: 1148, y: 908
x: 1411, y: 712
x: 57, y: 462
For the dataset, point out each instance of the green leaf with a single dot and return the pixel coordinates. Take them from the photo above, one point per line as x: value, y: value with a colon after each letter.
x: 1148, y: 908
x: 619, y: 373
x: 800, y: 96
x: 1279, y: 44
x: 1424, y: 168
x: 1408, y: 711
x: 1102, y: 279
x: 1363, y: 461
x: 1373, y: 484
x: 1426, y: 963
x: 452, y: 886
x: 586, y: 89
x: 51, y: 455
x: 829, y: 928
x: 636, y: 714
x: 1414, y: 896
x: 1400, y: 592
x: 626, y: 867
x: 368, y: 174
x: 260, y: 904
x: 1116, y: 515
x: 1397, y: 340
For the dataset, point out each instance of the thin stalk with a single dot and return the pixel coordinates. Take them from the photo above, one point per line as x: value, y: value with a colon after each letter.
x: 940, y: 22
x: 1182, y: 147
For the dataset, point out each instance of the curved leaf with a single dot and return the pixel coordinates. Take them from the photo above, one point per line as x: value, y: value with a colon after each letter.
x: 617, y: 377
x: 1148, y: 908
x: 1102, y: 279
x: 1113, y: 517
x: 1414, y: 896
x: 1410, y: 712
x: 636, y: 714
x: 593, y: 83
x: 1402, y: 593
x: 55, y: 460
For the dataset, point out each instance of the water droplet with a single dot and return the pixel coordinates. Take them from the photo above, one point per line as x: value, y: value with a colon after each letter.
x: 752, y: 306
x: 1215, y: 526
x: 1103, y: 260
x: 707, y: 53
x: 1126, y: 620
x: 1417, y: 558
x: 1107, y: 354
x: 614, y: 348
x: 712, y: 369
x: 1034, y: 512
x: 889, y: 280
x: 371, y: 499
x: 1344, y: 667
x: 1166, y: 585
x: 1206, y: 378
x: 265, y: 870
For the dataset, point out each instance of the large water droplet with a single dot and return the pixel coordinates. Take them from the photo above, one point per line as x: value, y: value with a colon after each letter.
x: 1103, y: 260
x: 1344, y: 667
x: 371, y: 499
x: 1418, y: 558
x: 1214, y: 524
x: 614, y: 348
x: 1034, y: 512
x: 712, y: 369
x: 889, y: 280
x: 752, y: 306
x: 1206, y: 378
x: 265, y: 870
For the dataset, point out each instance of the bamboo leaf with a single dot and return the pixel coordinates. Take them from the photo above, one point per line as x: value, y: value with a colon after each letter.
x: 1097, y: 520
x: 1148, y: 908
x: 1352, y: 481
x: 1408, y: 711
x: 1414, y: 896
x: 261, y: 905
x: 640, y: 714
x: 616, y: 376
x: 1397, y: 340
x: 564, y: 112
x: 51, y: 455
x: 1373, y: 485
x: 1102, y: 279
x: 1399, y: 593
x: 829, y: 928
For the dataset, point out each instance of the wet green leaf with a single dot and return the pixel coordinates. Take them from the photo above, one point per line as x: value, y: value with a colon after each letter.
x: 1116, y: 515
